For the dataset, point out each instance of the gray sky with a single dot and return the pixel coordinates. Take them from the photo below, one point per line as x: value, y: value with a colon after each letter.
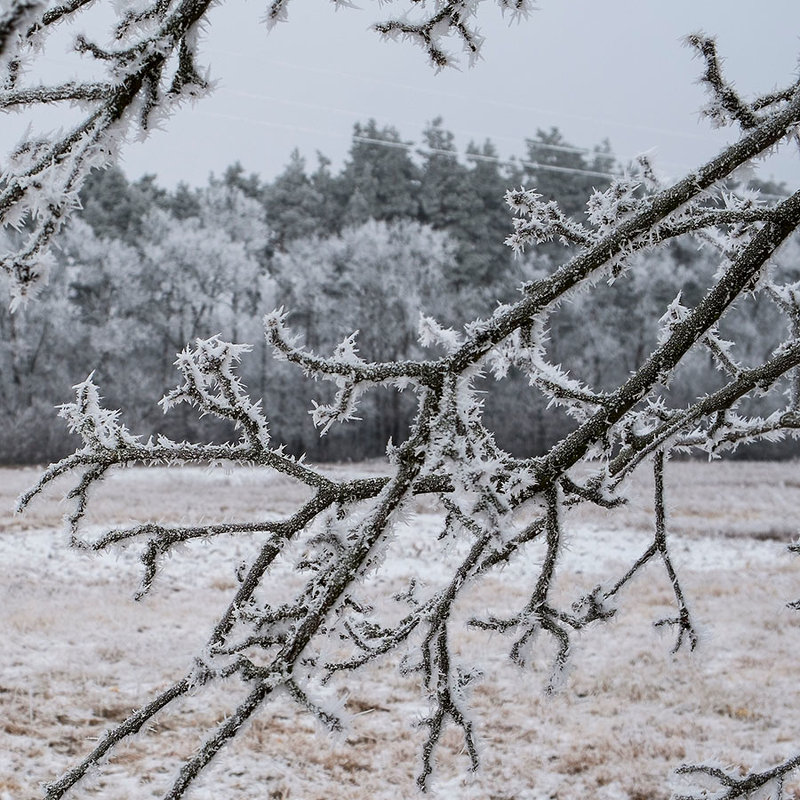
x: 614, y: 69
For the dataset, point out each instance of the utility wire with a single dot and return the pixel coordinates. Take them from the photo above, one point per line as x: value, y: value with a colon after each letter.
x: 364, y: 77
x: 347, y: 112
x: 535, y: 165
x: 410, y: 146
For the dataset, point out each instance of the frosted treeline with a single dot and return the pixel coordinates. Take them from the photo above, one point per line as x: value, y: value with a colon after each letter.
x: 141, y: 271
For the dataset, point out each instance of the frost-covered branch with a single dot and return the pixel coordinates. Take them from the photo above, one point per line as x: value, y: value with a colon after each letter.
x: 733, y: 784
x: 330, y: 619
x: 150, y: 72
x: 448, y: 18
x: 16, y: 17
x: 726, y: 106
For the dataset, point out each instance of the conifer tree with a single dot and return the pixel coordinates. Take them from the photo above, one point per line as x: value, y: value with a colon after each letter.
x: 379, y: 181
x: 292, y: 203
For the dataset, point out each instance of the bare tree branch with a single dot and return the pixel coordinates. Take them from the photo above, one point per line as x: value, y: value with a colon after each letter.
x: 500, y: 505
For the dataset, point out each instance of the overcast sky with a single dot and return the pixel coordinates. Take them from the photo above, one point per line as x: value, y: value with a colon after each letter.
x: 614, y: 69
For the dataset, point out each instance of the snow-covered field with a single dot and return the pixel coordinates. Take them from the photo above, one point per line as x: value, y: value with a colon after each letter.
x: 78, y: 653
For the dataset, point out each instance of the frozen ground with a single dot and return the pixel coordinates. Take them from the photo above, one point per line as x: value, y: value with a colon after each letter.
x: 78, y: 653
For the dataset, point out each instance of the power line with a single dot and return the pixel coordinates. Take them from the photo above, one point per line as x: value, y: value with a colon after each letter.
x: 327, y: 70
x: 410, y: 146
x: 562, y: 148
x: 534, y: 165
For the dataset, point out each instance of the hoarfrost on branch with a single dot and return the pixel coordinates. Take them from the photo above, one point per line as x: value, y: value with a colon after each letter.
x: 344, y: 530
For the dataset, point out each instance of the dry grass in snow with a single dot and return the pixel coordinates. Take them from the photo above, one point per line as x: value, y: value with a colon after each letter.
x: 79, y: 654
